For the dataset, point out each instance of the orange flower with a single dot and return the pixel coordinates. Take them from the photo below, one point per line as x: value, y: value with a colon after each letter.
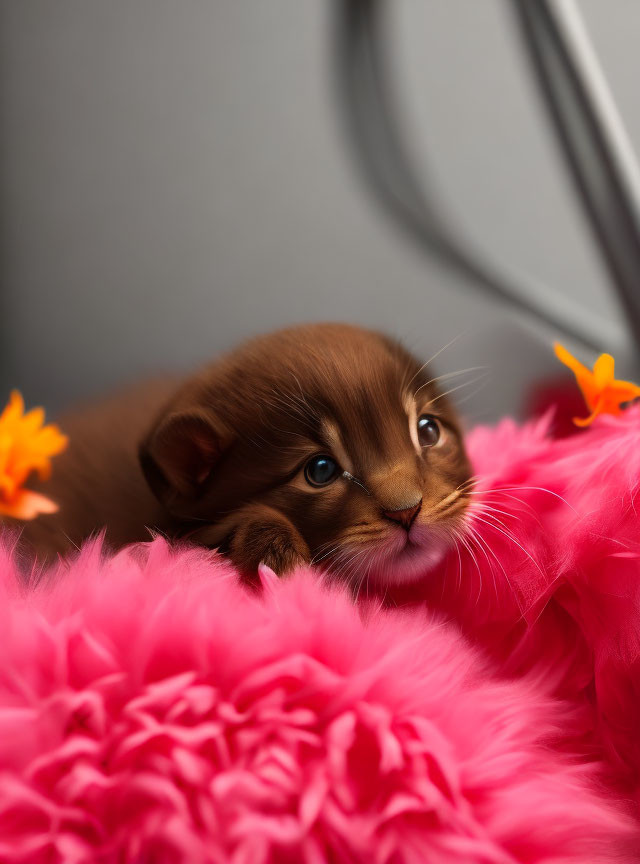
x: 26, y: 445
x: 602, y: 393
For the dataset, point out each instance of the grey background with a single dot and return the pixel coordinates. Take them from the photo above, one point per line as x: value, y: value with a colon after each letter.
x: 174, y: 177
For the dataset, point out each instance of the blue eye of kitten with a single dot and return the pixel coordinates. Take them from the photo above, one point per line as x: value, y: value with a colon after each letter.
x: 428, y: 430
x: 320, y: 471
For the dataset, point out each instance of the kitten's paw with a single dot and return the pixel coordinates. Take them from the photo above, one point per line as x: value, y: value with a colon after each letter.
x: 285, y: 560
x: 275, y: 543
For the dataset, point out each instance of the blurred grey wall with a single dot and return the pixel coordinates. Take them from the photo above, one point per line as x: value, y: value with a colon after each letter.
x: 174, y: 177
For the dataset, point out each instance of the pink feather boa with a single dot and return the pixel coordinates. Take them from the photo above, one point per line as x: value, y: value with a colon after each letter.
x: 552, y: 579
x: 153, y: 710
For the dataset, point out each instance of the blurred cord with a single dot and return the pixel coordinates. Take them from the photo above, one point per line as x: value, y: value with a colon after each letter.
x: 375, y: 136
x: 595, y: 143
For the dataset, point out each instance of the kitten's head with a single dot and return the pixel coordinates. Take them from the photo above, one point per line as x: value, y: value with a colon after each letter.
x: 339, y: 429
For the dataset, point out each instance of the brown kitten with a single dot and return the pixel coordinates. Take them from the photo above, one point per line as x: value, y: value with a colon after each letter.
x: 324, y: 443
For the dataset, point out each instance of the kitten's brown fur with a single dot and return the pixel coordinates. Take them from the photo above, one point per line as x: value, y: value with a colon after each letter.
x: 222, y: 457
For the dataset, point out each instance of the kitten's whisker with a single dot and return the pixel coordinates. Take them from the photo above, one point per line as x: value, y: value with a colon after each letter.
x: 355, y: 480
x: 434, y: 356
x: 484, y: 507
x: 318, y: 558
x: 488, y: 498
x: 362, y: 580
x: 495, y: 557
x: 484, y: 383
x: 481, y: 546
x: 526, y: 489
x: 454, y: 389
x: 340, y: 562
x: 350, y: 558
x: 510, y: 536
x: 467, y: 483
x: 452, y: 537
x: 448, y: 375
x: 460, y: 535
x: 467, y: 545
x: 457, y: 548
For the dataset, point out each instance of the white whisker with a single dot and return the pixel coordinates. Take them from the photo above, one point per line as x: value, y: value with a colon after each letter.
x: 465, y: 542
x: 509, y: 536
x: 525, y: 489
x: 433, y: 357
x: 454, y: 389
x: 447, y: 375
x: 485, y: 548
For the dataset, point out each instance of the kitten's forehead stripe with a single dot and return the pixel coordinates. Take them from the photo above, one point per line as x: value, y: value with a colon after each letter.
x: 331, y: 433
x: 412, y: 415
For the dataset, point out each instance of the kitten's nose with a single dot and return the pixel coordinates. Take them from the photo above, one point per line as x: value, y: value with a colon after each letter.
x: 405, y: 516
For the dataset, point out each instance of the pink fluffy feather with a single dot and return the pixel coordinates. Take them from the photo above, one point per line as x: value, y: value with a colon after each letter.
x: 550, y: 578
x: 154, y: 710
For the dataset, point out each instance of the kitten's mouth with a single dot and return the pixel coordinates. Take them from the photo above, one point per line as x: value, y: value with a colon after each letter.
x: 421, y: 557
x: 409, y: 543
x: 408, y: 557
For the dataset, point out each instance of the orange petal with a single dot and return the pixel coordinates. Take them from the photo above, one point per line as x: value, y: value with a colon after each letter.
x: 8, y: 485
x: 568, y: 359
x: 27, y: 505
x: 32, y: 421
x: 5, y: 450
x: 584, y: 376
x: 587, y: 421
x: 624, y: 391
x: 14, y: 409
x: 41, y: 464
x: 50, y: 440
x: 603, y: 371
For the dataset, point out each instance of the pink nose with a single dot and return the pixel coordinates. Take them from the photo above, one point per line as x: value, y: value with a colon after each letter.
x: 406, y: 516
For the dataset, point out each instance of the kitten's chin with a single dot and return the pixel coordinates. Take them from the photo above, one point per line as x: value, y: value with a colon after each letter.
x: 408, y: 561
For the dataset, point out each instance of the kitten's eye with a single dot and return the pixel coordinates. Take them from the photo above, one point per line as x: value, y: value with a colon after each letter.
x: 321, y: 470
x: 429, y: 430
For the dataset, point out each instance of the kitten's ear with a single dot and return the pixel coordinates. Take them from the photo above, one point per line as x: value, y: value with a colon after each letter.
x: 180, y: 453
